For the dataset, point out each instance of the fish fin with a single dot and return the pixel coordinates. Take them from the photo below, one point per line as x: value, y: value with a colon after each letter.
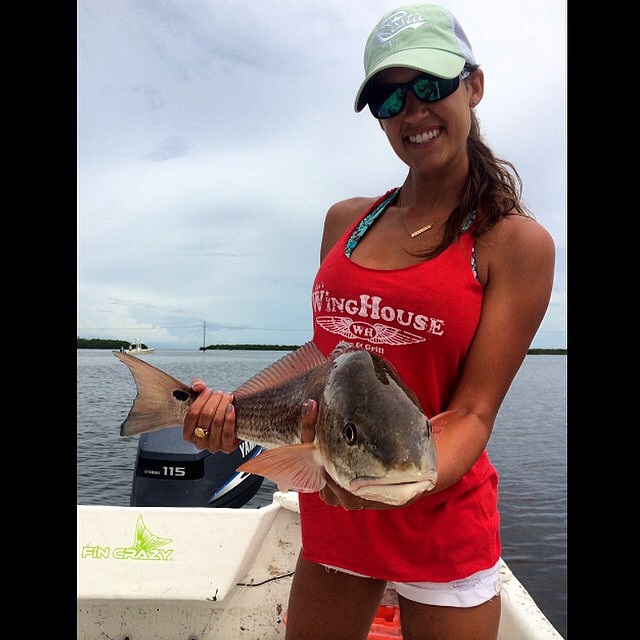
x: 439, y: 422
x: 292, y: 467
x: 161, y: 401
x: 291, y: 366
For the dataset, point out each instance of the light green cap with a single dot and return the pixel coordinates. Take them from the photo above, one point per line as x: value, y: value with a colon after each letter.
x: 425, y: 37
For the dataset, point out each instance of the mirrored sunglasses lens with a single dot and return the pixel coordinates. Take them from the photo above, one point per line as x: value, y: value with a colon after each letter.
x: 427, y: 90
x: 432, y: 90
x: 393, y: 105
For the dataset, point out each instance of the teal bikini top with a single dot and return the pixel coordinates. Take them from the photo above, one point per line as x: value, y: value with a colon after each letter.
x: 370, y: 218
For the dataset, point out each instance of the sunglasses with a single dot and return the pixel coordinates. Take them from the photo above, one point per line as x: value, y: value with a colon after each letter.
x: 388, y: 100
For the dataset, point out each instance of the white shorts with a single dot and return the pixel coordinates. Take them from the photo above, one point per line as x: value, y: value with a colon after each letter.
x: 468, y: 592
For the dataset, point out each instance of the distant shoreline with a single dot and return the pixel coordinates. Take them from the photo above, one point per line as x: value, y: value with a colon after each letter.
x: 99, y: 343
x: 549, y: 352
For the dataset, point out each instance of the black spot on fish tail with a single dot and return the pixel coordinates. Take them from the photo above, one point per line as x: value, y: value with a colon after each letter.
x: 179, y: 395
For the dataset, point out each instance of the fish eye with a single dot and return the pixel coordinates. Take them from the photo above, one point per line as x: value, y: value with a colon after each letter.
x: 350, y: 433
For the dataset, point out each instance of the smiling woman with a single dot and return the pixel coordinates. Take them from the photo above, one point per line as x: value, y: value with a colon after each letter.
x: 442, y: 278
x: 199, y: 128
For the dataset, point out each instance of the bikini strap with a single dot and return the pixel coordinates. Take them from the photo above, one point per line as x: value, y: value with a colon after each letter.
x: 368, y: 220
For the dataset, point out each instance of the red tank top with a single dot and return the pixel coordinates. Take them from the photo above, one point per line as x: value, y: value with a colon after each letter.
x: 421, y: 318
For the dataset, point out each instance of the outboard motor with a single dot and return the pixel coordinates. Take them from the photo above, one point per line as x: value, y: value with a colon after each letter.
x: 171, y: 472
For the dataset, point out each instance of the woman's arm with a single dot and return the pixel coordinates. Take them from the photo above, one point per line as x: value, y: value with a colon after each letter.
x: 516, y: 262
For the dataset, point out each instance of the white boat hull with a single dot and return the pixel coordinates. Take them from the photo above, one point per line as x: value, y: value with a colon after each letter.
x: 203, y: 574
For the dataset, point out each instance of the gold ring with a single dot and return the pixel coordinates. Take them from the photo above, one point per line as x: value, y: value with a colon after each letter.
x: 199, y: 432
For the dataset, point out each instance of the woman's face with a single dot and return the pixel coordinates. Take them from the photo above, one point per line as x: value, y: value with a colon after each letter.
x: 432, y: 136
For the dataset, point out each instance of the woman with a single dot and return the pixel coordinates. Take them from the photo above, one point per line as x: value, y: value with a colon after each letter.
x: 448, y: 277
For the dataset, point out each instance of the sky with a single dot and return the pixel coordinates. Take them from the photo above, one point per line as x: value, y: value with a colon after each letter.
x: 213, y: 135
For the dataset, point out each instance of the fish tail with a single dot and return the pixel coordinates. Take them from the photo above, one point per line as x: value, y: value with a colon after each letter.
x: 161, y: 401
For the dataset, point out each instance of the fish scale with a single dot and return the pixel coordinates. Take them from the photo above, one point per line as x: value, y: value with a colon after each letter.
x: 272, y: 416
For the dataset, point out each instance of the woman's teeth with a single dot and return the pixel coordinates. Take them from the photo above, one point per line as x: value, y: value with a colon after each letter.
x: 420, y: 138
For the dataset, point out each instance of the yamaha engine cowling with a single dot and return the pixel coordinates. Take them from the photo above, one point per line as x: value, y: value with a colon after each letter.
x: 171, y: 472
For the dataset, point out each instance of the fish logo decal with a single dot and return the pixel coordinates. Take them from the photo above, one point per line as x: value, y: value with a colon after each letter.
x: 145, y: 540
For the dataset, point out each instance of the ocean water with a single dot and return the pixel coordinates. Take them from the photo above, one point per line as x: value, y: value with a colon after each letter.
x: 528, y: 447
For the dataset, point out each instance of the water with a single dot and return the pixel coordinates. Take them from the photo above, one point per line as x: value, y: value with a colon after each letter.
x: 528, y: 447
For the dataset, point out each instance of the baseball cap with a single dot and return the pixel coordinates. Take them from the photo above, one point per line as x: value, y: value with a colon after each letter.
x: 425, y: 37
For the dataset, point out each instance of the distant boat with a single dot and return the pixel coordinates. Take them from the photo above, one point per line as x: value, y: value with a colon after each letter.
x: 137, y: 347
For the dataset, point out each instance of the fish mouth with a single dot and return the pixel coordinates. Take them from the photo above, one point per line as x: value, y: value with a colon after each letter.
x: 369, y: 481
x: 392, y: 491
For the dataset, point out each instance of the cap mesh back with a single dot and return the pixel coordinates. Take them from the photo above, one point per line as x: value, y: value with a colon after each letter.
x: 463, y: 41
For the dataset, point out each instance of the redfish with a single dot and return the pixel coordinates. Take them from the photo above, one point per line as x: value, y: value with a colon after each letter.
x: 372, y: 435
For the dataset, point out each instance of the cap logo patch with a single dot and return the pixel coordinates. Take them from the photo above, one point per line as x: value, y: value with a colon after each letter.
x: 396, y: 23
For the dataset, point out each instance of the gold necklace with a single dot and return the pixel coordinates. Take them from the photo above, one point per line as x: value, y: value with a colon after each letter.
x: 426, y: 227
x: 417, y: 232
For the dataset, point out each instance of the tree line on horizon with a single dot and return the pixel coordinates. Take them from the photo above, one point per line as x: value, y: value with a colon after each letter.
x: 105, y: 343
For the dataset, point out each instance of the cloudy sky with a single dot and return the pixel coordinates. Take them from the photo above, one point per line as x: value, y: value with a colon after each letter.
x: 213, y: 135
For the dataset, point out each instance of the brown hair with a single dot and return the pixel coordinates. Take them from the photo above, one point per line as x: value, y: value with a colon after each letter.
x: 493, y: 189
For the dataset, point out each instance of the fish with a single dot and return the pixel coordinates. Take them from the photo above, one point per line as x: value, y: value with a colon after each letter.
x: 372, y: 435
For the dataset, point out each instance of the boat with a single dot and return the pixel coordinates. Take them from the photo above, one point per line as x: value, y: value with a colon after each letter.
x: 166, y: 572
x: 137, y: 347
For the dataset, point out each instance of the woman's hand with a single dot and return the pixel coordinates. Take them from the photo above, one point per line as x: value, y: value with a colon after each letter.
x: 211, y: 420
